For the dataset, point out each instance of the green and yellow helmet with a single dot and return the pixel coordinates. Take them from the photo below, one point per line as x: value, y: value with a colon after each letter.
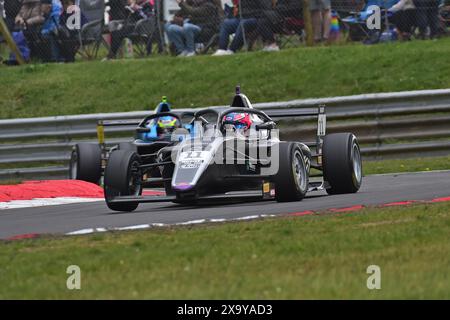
x: 165, y: 123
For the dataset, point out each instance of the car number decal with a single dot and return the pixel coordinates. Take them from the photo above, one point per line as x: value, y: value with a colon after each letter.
x: 190, y: 164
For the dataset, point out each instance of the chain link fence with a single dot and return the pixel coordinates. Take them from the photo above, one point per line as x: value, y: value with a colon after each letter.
x: 68, y: 30
x: 62, y: 31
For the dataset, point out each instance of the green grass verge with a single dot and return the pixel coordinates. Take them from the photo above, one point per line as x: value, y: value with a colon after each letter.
x: 318, y: 256
x: 124, y: 85
x: 10, y: 181
x: 406, y: 165
x: 31, y: 164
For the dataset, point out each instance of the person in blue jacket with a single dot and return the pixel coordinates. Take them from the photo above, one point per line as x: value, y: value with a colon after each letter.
x: 52, y: 10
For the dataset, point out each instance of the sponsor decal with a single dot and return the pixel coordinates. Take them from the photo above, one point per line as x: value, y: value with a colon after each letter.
x: 190, y: 164
x: 192, y: 159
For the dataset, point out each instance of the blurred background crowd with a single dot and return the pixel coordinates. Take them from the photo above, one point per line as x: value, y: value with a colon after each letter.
x: 67, y: 30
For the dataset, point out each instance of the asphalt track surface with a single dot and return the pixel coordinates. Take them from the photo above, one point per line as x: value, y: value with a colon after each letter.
x: 376, y: 190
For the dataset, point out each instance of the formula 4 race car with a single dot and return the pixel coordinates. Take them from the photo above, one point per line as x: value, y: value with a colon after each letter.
x: 88, y: 160
x: 235, y: 153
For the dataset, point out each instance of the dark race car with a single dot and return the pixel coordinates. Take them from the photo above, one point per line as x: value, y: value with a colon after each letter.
x: 88, y: 160
x: 235, y: 153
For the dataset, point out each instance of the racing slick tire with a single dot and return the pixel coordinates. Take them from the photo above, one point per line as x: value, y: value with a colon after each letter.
x: 292, y: 178
x: 154, y: 173
x: 127, y: 146
x: 342, y: 167
x: 167, y: 173
x: 86, y: 162
x: 122, y: 178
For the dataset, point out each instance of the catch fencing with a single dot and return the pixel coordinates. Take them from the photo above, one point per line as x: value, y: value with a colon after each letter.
x: 388, y: 125
x: 96, y: 29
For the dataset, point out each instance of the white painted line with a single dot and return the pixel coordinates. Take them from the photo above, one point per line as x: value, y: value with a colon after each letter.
x: 140, y: 226
x: 217, y: 220
x: 403, y: 173
x: 80, y: 232
x: 40, y: 202
x: 192, y: 222
x: 159, y: 225
x: 248, y: 217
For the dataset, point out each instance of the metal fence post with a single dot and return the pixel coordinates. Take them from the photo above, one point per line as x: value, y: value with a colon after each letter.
x: 308, y: 24
x: 10, y: 41
x: 241, y: 23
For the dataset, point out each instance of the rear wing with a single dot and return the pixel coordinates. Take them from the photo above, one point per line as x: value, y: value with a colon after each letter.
x: 313, y: 112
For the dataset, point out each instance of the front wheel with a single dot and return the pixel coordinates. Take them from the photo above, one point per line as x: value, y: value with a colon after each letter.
x: 342, y: 167
x: 292, y: 178
x: 123, y: 177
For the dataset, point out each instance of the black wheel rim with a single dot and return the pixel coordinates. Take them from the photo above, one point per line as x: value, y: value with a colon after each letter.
x: 356, y: 159
x: 134, y: 181
x: 299, y: 171
x: 73, y: 166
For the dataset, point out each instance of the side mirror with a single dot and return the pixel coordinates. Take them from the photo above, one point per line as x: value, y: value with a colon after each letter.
x: 266, y: 126
x: 142, y: 130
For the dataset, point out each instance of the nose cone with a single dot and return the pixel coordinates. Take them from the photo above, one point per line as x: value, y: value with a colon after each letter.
x: 182, y: 186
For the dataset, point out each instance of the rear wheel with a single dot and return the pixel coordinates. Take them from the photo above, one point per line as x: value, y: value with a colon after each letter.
x: 291, y: 180
x: 122, y: 178
x: 342, y: 167
x: 86, y: 162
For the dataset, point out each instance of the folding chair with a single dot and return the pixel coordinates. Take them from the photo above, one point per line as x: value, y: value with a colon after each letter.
x: 290, y: 33
x: 91, y: 33
x: 144, y: 34
x: 356, y: 23
x: 208, y: 38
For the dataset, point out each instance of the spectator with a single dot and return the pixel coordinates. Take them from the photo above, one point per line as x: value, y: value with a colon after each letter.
x: 30, y: 14
x: 194, y: 17
x: 268, y: 22
x: 182, y: 35
x: 404, y: 16
x: 243, y: 19
x: 12, y: 8
x: 67, y: 5
x: 207, y: 16
x: 117, y: 15
x: 272, y: 20
x: 30, y: 19
x: 444, y: 15
x: 51, y: 10
x: 131, y: 11
x: 427, y: 14
x: 117, y: 10
x: 69, y: 38
x: 22, y: 45
x: 321, y: 19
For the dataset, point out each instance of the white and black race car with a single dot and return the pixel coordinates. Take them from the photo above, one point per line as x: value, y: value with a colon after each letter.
x: 217, y: 161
